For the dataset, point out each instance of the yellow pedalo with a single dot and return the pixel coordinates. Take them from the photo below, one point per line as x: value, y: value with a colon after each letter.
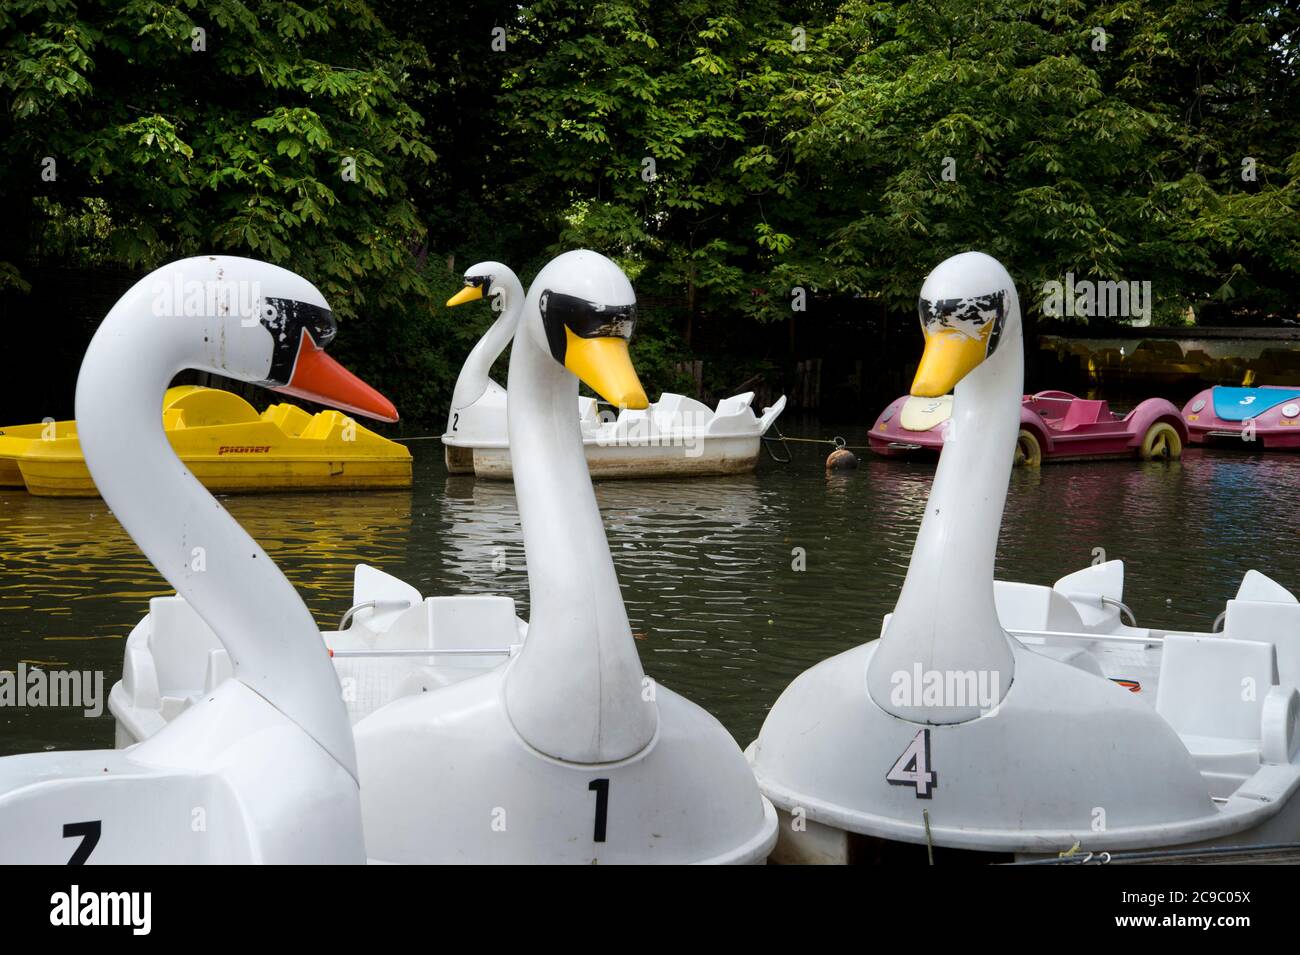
x: 226, y: 444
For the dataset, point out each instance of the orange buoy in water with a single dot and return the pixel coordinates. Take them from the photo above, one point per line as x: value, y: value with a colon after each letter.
x: 841, y: 459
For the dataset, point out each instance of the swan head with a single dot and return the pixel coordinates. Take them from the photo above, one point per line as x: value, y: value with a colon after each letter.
x: 581, y: 310
x: 482, y: 280
x: 262, y: 324
x: 968, y: 306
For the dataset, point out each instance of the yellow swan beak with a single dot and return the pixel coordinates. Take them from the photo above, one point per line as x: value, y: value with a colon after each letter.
x: 950, y: 355
x: 469, y: 293
x: 604, y: 366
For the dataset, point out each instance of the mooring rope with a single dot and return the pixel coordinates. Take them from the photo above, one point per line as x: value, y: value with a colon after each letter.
x: 837, y: 441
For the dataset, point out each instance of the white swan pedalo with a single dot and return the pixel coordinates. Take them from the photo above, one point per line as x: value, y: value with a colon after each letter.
x: 947, y: 730
x: 675, y: 436
x: 568, y: 753
x: 394, y: 642
x: 263, y: 768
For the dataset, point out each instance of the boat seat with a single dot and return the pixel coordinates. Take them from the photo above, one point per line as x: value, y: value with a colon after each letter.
x: 1257, y: 586
x: 1082, y: 411
x: 1034, y: 607
x: 733, y: 415
x: 172, y: 659
x: 392, y: 595
x: 324, y: 425
x: 1088, y: 591
x: 735, y: 404
x: 462, y: 622
x: 1264, y: 610
x: 471, y: 621
x: 199, y: 406
x: 1105, y: 579
x: 288, y: 418
x: 1211, y: 691
x: 1269, y: 622
x: 182, y: 645
x: 673, y: 412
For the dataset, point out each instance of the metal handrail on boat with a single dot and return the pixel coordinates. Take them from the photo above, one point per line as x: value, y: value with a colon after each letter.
x: 1123, y: 609
x: 380, y: 606
x: 1089, y: 637
x: 421, y: 652
x: 385, y: 606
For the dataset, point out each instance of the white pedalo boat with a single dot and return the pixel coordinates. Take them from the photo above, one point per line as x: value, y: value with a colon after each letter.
x: 952, y: 731
x: 675, y: 436
x: 262, y: 767
x: 480, y: 738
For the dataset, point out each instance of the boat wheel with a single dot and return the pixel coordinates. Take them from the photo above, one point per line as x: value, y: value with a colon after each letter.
x: 1162, y: 443
x: 1029, y: 453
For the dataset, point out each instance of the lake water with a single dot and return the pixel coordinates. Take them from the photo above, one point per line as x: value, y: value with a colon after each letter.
x: 707, y: 565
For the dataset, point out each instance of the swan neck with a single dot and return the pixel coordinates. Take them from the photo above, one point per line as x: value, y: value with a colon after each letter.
x: 273, y: 643
x: 945, y: 622
x: 475, y: 373
x: 575, y: 691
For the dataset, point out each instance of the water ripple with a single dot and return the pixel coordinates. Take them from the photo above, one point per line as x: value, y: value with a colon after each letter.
x: 709, y: 568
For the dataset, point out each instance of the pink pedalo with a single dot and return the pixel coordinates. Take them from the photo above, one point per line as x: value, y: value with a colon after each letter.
x: 1266, y: 417
x: 1054, y: 426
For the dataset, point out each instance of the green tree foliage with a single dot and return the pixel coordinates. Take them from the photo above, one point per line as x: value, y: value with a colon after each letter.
x: 273, y: 129
x: 725, y: 152
x: 1107, y: 140
x: 660, y: 132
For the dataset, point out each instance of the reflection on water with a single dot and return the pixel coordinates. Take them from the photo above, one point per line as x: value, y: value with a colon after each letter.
x: 708, y: 566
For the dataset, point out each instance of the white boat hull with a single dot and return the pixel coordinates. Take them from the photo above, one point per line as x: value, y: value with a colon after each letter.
x: 1203, y: 764
x: 394, y: 693
x: 727, y: 455
x: 676, y: 436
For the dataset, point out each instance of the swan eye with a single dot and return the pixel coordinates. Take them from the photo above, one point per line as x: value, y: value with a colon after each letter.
x: 979, y: 317
x: 286, y: 319
x: 584, y: 318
